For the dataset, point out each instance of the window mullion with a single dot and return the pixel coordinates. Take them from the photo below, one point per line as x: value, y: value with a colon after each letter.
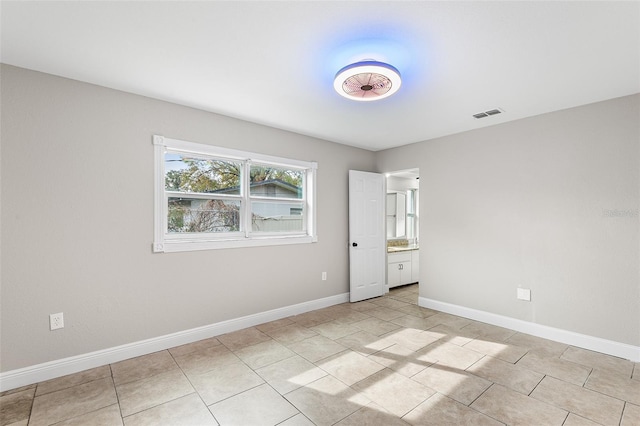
x: 246, y: 203
x: 267, y: 199
x: 202, y: 195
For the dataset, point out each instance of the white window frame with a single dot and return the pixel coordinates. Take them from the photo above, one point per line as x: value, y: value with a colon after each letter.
x: 165, y: 242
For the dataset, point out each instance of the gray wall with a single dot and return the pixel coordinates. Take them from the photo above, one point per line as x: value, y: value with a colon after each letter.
x: 548, y: 203
x: 77, y: 222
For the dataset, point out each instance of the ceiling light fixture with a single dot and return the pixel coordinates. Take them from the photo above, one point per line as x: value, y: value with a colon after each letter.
x: 367, y: 81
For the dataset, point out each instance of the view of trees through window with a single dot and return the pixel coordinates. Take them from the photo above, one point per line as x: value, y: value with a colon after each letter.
x: 205, y: 195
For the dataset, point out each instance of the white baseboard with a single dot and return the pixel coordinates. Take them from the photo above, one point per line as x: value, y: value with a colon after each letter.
x: 53, y: 369
x: 621, y: 350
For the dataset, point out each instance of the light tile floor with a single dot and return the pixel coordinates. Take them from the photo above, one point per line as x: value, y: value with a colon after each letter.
x: 385, y: 361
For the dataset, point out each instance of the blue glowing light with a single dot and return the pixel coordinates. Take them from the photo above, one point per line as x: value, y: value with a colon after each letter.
x: 383, y: 44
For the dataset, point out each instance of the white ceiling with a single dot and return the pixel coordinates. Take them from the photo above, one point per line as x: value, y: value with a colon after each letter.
x: 273, y: 62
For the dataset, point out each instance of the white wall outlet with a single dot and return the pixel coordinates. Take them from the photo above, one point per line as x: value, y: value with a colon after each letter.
x: 524, y: 294
x: 324, y: 276
x: 56, y: 321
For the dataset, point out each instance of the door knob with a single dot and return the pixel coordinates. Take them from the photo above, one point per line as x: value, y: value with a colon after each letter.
x: 354, y: 244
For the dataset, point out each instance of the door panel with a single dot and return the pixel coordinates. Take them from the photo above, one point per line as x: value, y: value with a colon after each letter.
x: 367, y: 241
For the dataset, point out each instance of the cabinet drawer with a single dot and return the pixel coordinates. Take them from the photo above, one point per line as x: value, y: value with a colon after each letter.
x: 399, y: 257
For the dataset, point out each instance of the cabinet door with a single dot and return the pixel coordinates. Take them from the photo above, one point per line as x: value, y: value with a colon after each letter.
x: 398, y: 268
x: 394, y: 275
x: 405, y: 273
x: 415, y: 266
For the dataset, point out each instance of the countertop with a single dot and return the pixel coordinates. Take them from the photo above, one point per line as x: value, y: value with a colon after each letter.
x: 408, y: 247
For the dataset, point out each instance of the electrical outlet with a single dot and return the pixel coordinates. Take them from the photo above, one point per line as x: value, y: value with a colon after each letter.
x: 524, y: 294
x: 56, y: 321
x: 324, y: 276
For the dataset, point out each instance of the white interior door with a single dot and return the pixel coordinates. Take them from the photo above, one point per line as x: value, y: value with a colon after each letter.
x: 367, y: 241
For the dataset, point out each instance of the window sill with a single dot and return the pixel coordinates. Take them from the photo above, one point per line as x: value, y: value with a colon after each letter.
x: 179, y: 246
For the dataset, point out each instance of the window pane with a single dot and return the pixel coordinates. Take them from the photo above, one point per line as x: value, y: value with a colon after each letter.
x: 276, y: 182
x: 411, y: 201
x: 188, y: 174
x: 276, y: 217
x: 411, y: 226
x: 195, y: 215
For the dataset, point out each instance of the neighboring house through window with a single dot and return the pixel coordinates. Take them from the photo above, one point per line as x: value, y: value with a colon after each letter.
x: 209, y: 197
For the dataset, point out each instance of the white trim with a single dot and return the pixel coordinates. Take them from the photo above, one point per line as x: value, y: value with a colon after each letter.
x: 158, y: 196
x: 312, y: 188
x: 228, y: 153
x: 610, y: 347
x: 183, y: 245
x: 50, y: 370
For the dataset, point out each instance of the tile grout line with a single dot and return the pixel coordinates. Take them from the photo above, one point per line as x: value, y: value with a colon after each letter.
x: 115, y: 390
x: 195, y: 390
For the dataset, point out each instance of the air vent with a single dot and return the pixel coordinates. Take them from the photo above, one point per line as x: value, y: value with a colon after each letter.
x: 487, y: 113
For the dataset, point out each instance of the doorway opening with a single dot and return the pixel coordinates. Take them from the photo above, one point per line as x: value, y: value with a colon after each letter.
x: 403, y: 227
